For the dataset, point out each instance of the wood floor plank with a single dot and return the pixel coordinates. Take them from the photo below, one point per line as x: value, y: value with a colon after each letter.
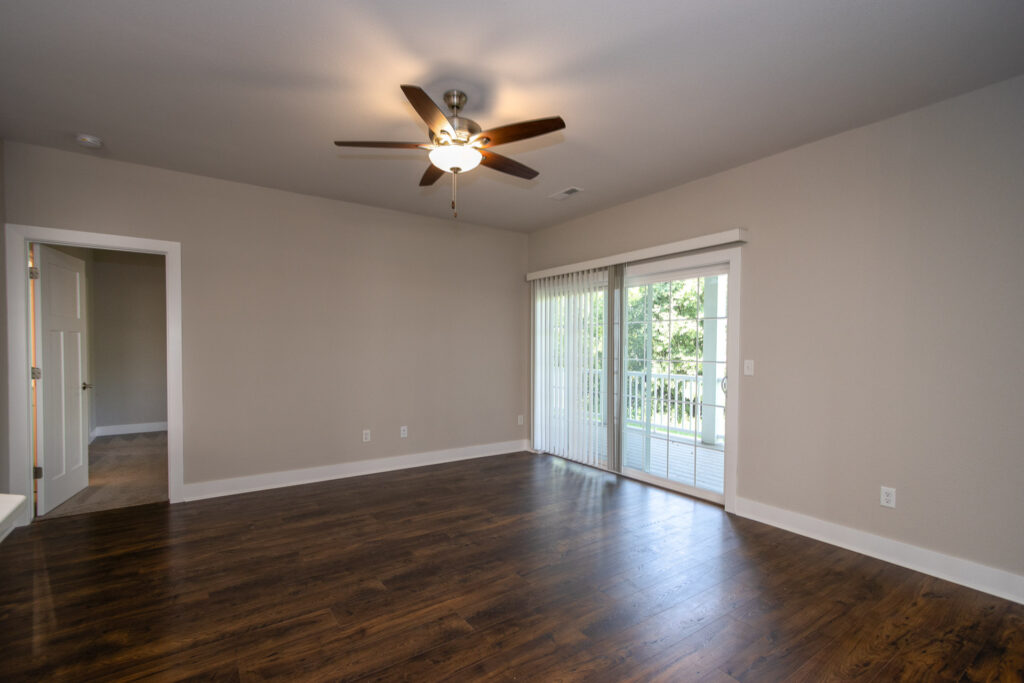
x: 1001, y: 657
x: 515, y: 567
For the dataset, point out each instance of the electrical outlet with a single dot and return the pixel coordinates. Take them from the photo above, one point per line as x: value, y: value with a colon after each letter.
x: 366, y: 435
x: 403, y: 432
x: 519, y: 420
x: 887, y: 498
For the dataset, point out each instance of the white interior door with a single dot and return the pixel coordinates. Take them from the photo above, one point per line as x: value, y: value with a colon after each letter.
x: 61, y: 338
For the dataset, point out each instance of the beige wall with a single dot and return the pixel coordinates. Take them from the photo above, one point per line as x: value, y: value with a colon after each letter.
x: 128, y: 326
x: 306, y: 320
x: 883, y: 303
x: 4, y: 468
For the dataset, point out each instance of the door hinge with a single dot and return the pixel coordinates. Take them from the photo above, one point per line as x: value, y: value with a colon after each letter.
x: 37, y: 373
x: 33, y: 273
x: 37, y: 472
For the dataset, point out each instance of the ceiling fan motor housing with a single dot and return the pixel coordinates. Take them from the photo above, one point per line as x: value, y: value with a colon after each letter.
x: 464, y: 128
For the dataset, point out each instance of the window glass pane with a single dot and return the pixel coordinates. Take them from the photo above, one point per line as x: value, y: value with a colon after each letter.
x: 636, y: 342
x: 637, y: 302
x: 713, y: 335
x: 661, y: 346
x: 681, y: 462
x: 684, y: 367
x: 659, y: 456
x: 633, y: 449
x: 686, y: 299
x: 661, y: 300
x: 712, y: 387
x: 710, y: 449
x: 711, y: 427
x: 716, y: 295
x: 685, y: 340
x: 636, y: 398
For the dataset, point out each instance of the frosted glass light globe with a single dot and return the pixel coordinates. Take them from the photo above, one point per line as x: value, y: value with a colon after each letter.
x: 462, y: 157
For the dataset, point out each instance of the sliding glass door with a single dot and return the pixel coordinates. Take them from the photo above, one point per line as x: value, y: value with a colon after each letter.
x: 674, y: 382
x: 630, y: 370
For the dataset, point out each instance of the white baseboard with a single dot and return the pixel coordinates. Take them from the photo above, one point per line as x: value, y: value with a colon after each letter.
x: 981, y: 577
x: 272, y: 480
x: 114, y: 430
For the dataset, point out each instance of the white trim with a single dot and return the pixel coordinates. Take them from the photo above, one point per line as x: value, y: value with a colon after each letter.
x: 11, y: 510
x: 17, y: 239
x: 732, y: 370
x: 309, y: 475
x: 717, y: 239
x: 674, y: 268
x: 981, y: 577
x: 139, y: 428
x: 666, y: 483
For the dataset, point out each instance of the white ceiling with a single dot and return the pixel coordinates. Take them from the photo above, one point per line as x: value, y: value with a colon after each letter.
x: 654, y: 93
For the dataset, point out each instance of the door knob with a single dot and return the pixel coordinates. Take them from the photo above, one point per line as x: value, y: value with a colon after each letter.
x: 86, y: 385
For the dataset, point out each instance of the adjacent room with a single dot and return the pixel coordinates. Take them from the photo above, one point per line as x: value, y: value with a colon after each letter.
x: 560, y: 341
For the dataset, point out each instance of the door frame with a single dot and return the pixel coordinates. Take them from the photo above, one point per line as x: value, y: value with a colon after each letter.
x: 17, y: 239
x: 731, y: 258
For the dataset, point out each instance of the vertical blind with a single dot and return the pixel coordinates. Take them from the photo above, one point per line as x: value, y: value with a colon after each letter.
x: 570, y: 354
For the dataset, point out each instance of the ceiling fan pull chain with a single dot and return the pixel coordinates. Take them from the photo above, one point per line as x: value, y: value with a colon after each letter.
x: 455, y: 184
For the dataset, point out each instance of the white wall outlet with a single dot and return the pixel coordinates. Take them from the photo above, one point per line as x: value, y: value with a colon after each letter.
x: 748, y: 367
x: 888, y: 497
x: 519, y: 420
x: 403, y: 432
x: 366, y: 435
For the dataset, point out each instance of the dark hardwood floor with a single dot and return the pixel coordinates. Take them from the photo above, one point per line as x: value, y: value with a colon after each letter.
x: 517, y: 567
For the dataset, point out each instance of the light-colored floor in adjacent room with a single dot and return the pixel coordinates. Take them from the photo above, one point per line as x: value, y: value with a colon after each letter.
x: 124, y: 470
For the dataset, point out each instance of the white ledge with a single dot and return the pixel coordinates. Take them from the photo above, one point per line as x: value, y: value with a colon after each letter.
x: 718, y: 239
x: 12, y: 508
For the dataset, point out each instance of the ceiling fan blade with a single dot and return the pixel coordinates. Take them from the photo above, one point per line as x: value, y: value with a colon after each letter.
x: 428, y: 111
x: 506, y: 165
x: 520, y: 131
x: 431, y: 175
x: 368, y: 143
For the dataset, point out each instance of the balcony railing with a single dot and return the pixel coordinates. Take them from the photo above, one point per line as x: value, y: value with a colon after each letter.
x: 664, y: 416
x: 671, y: 420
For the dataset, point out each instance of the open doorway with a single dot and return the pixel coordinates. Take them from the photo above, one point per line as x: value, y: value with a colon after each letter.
x: 98, y: 337
x: 18, y: 238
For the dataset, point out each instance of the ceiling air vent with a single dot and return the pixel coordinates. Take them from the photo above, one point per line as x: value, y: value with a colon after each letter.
x: 565, y: 194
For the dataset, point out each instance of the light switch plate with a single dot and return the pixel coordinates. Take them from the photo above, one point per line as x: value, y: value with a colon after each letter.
x: 748, y: 367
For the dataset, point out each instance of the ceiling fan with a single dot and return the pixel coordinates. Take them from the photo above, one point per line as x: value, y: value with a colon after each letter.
x: 458, y: 144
